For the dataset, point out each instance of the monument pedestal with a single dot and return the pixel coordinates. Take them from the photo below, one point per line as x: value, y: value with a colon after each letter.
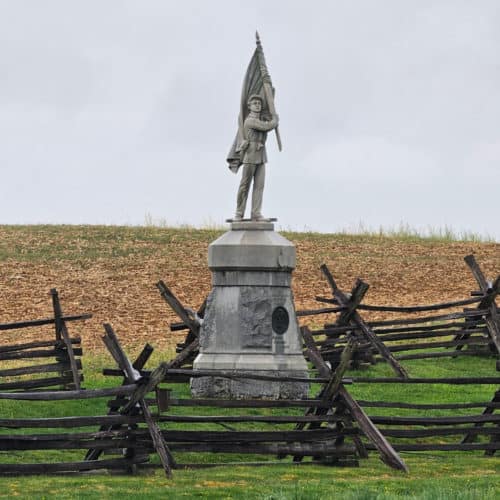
x: 250, y: 323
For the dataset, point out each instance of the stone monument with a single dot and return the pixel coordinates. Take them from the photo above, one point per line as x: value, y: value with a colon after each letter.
x: 250, y: 323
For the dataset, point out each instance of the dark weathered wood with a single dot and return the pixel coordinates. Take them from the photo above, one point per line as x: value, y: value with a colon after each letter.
x: 41, y: 322
x: 473, y: 341
x: 408, y: 309
x: 47, y: 368
x: 421, y: 380
x: 333, y: 342
x: 487, y: 298
x: 470, y: 260
x: 312, y: 352
x: 439, y: 431
x: 437, y: 327
x: 254, y: 463
x: 359, y: 291
x: 425, y: 406
x: 47, y: 468
x: 62, y: 332
x: 69, y: 422
x: 425, y: 335
x: 426, y: 319
x: 331, y: 330
x: 67, y: 443
x: 322, y: 448
x: 138, y: 364
x: 445, y: 447
x: 124, y: 438
x: 233, y: 374
x: 185, y: 354
x: 37, y: 344
x: 250, y: 436
x: 426, y: 421
x: 488, y: 410
x: 331, y: 393
x: 494, y: 442
x: 143, y: 357
x: 325, y: 310
x: 156, y: 377
x: 190, y: 337
x: 332, y: 387
x: 178, y: 308
x: 240, y: 403
x: 352, y: 302
x: 69, y: 395
x: 22, y: 385
x: 48, y: 353
x: 381, y: 347
x: 329, y: 390
x: 111, y: 341
x: 387, y: 452
x: 270, y: 419
x: 429, y: 355
x: 65, y: 435
x: 171, y: 379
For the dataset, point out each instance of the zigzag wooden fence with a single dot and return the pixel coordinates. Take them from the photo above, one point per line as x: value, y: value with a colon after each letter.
x: 338, y: 442
x: 146, y: 417
x: 474, y: 331
x: 471, y: 332
x: 412, y: 426
x: 64, y: 371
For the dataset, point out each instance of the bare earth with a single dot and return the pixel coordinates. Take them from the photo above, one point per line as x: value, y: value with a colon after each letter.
x: 111, y: 272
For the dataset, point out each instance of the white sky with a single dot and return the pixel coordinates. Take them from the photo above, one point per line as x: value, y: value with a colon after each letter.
x: 390, y: 111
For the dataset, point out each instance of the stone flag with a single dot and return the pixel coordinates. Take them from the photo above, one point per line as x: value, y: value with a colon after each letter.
x: 257, y: 81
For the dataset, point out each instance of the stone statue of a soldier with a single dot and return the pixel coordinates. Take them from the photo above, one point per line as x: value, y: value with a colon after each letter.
x: 254, y: 158
x: 257, y: 117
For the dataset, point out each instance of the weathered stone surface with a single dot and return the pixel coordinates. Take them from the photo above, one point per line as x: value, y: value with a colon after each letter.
x: 252, y: 225
x: 251, y: 250
x: 255, y: 316
x: 218, y: 387
x: 251, y: 276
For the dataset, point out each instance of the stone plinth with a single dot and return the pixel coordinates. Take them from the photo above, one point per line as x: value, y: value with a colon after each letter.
x: 250, y: 323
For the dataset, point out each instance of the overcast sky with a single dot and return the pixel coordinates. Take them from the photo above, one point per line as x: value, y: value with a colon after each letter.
x: 389, y: 111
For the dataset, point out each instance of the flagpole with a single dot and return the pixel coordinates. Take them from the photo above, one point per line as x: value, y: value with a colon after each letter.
x: 268, y: 91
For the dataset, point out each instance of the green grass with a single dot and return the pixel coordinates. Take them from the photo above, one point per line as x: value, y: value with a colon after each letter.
x: 46, y: 243
x: 433, y: 475
x: 403, y: 231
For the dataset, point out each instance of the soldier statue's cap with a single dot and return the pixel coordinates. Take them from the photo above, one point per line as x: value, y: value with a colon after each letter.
x: 255, y: 96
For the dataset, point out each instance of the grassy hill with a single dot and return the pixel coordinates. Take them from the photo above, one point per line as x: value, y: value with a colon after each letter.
x: 111, y: 272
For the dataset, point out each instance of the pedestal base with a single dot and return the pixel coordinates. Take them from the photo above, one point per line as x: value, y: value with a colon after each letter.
x: 224, y: 388
x: 250, y: 324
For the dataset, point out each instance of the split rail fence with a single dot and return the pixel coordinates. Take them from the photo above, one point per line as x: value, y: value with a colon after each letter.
x: 147, y: 417
x: 421, y: 334
x: 65, y: 370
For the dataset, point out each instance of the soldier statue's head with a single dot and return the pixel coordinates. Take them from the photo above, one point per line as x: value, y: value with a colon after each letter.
x: 255, y: 103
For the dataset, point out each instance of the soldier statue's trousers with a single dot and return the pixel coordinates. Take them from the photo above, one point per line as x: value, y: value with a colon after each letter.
x: 257, y: 172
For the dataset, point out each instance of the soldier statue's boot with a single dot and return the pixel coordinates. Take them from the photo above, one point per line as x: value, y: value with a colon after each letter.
x: 237, y: 218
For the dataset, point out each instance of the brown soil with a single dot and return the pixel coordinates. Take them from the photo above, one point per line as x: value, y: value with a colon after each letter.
x: 111, y: 272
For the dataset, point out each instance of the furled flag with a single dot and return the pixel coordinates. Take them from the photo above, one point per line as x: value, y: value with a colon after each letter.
x: 257, y: 81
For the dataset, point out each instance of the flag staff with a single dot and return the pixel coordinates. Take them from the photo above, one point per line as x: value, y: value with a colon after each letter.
x: 268, y: 89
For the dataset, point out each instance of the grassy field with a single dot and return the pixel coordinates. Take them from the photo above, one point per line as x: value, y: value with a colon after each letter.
x: 111, y: 272
x: 433, y: 475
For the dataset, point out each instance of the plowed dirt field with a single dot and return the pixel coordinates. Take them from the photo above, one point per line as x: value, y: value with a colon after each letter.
x: 111, y: 272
